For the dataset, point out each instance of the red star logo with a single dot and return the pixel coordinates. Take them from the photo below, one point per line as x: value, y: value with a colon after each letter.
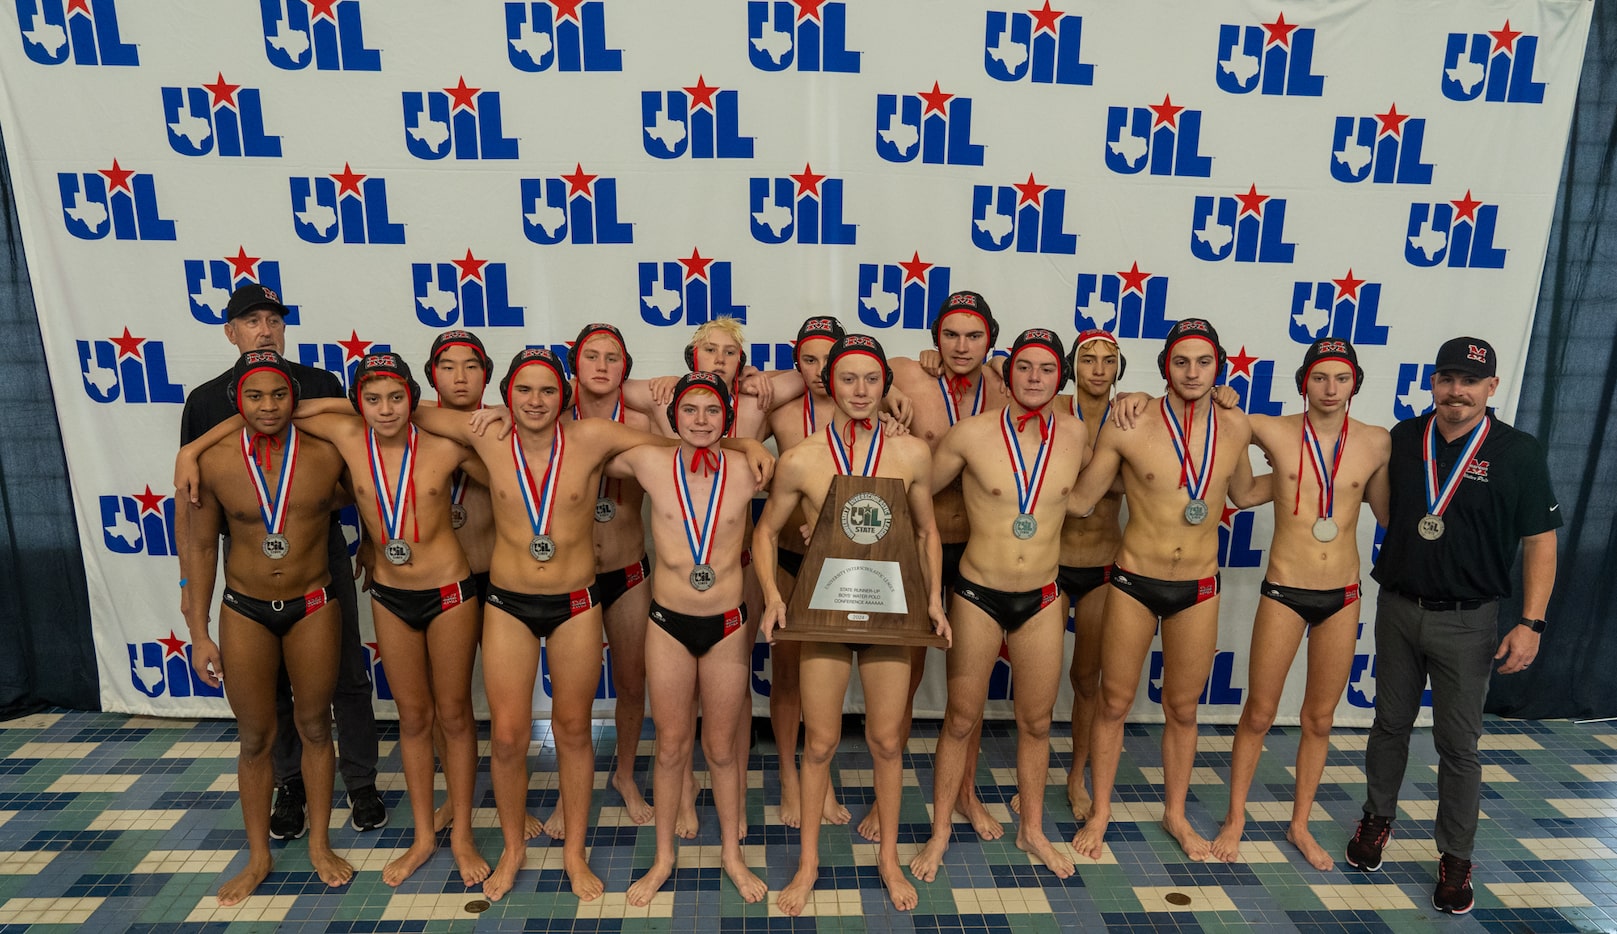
x: 696, y: 265
x: 462, y: 97
x: 1251, y: 203
x: 1466, y: 208
x: 1167, y: 112
x: 376, y: 650
x: 353, y: 348
x: 915, y: 270
x: 1031, y: 191
x: 1348, y: 287
x: 1230, y: 513
x: 129, y: 346
x: 82, y: 6
x: 1044, y: 20
x: 149, y: 501
x: 580, y: 182
x: 807, y: 183
x: 808, y: 9
x: 1391, y: 122
x: 470, y: 268
x: 702, y: 94
x: 1134, y: 279
x: 223, y: 93
x: 173, y: 645
x: 1504, y: 39
x: 348, y: 181
x: 117, y: 177
x: 1242, y: 363
x: 567, y: 9
x: 936, y: 101
x: 243, y: 265
x: 1279, y: 31
x: 319, y: 8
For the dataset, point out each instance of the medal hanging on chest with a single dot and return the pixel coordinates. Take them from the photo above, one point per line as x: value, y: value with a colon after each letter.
x: 273, y: 511
x: 391, y: 508
x: 540, y: 499
x: 700, y: 537
x: 1325, y: 527
x: 457, y: 497
x: 1438, y: 497
x: 1195, y: 482
x: 1029, y: 480
x: 606, y: 507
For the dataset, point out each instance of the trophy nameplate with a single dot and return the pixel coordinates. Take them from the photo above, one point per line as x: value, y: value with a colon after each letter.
x: 861, y: 581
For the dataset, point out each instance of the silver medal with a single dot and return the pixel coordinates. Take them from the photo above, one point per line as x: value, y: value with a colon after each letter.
x: 605, y: 510
x: 543, y: 548
x: 1325, y: 529
x: 702, y: 577
x: 1024, y: 526
x: 1196, y: 511
x: 457, y: 515
x: 396, y: 551
x: 276, y: 546
x: 1430, y: 527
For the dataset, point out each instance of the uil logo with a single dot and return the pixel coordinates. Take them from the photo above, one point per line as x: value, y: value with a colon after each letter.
x: 121, y: 368
x: 1384, y: 148
x: 461, y: 119
x: 1250, y: 227
x: 1220, y: 688
x: 563, y: 34
x: 219, y: 117
x: 1028, y: 214
x: 116, y: 201
x: 1272, y: 58
x: 1042, y: 46
x: 903, y: 294
x: 1253, y: 380
x: 1345, y: 308
x: 581, y: 208
x: 1457, y: 232
x: 812, y: 34
x: 1413, y: 397
x: 349, y: 205
x: 328, y: 33
x: 1164, y: 138
x: 340, y: 358
x: 702, y: 120
x: 469, y: 293
x: 209, y: 282
x: 806, y: 207
x: 85, y: 30
x: 689, y: 291
x: 1235, y: 548
x: 142, y: 524
x: 1494, y: 66
x: 163, y: 667
x: 1128, y: 303
x: 934, y: 125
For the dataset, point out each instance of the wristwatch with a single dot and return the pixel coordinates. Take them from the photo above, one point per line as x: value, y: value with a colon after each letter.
x: 1537, y: 625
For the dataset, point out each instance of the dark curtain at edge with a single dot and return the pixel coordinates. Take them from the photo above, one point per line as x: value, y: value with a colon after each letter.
x: 1567, y: 402
x: 49, y: 659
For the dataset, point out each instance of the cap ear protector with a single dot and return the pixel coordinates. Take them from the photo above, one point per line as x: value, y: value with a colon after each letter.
x: 965, y: 301
x: 690, y: 357
x: 589, y: 331
x: 1188, y: 328
x: 449, y: 339
x: 382, y: 364
x: 251, y: 362
x: 852, y: 344
x: 701, y: 379
x: 1040, y: 337
x: 542, y: 356
x: 1087, y: 337
x: 1329, y: 349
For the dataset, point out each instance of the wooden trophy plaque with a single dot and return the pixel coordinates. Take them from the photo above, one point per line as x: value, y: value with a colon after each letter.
x: 861, y: 580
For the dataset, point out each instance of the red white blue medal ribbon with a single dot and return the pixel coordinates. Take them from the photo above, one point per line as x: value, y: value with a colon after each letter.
x: 457, y: 497
x: 808, y: 413
x: 1029, y: 481
x: 540, y: 499
x: 700, y: 538
x: 1439, y: 497
x: 272, y: 510
x: 1078, y: 410
x: 952, y: 407
x: 1325, y: 525
x: 391, y: 508
x: 842, y: 454
x: 1194, y: 481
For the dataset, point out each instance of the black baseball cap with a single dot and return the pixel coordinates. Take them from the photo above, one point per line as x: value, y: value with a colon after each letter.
x: 251, y: 297
x: 1472, y: 356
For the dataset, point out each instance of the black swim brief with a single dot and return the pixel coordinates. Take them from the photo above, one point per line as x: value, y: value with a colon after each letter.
x: 1009, y: 610
x: 278, y: 616
x: 952, y: 553
x: 698, y: 634
x: 1165, y: 598
x: 1314, y: 606
x: 418, y: 608
x: 480, y: 579
x: 1078, y: 582
x: 614, y: 584
x: 789, y: 561
x: 543, y: 613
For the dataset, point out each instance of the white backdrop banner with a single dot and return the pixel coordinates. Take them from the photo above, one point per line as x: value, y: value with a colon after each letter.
x: 1380, y: 171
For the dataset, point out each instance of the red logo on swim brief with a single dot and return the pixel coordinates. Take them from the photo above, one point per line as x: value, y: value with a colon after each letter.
x: 732, y: 621
x: 1206, y: 588
x: 1048, y: 595
x: 314, y: 601
x: 634, y: 574
x: 1351, y: 595
x: 449, y: 596
x: 579, y: 601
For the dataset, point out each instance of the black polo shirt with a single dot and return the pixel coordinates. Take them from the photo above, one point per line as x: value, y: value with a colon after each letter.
x: 209, y: 403
x: 1504, y: 497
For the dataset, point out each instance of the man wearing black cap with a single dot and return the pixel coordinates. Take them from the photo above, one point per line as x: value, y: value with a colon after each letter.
x: 1466, y: 490
x: 255, y: 319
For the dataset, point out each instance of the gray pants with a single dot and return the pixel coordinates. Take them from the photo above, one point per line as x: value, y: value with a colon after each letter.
x: 1455, y: 649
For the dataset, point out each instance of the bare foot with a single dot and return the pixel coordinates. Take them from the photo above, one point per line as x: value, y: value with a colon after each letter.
x: 532, y: 826
x: 647, y: 886
x: 1226, y: 846
x: 1194, y: 844
x: 633, y: 801
x: 411, y: 860
x: 1091, y: 837
x: 443, y: 817
x: 504, y: 875
x: 925, y: 864
x: 751, y: 887
x: 834, y: 812
x: 981, y: 821
x: 899, y: 888
x: 1016, y: 803
x: 473, y: 867
x: 870, y: 826
x: 556, y: 826
x: 686, y: 825
x: 245, y: 882
x: 792, y: 898
x: 1078, y: 796
x: 1034, y: 843
x: 790, y: 808
x: 1311, y: 850
x: 332, y: 869
x: 586, y: 884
